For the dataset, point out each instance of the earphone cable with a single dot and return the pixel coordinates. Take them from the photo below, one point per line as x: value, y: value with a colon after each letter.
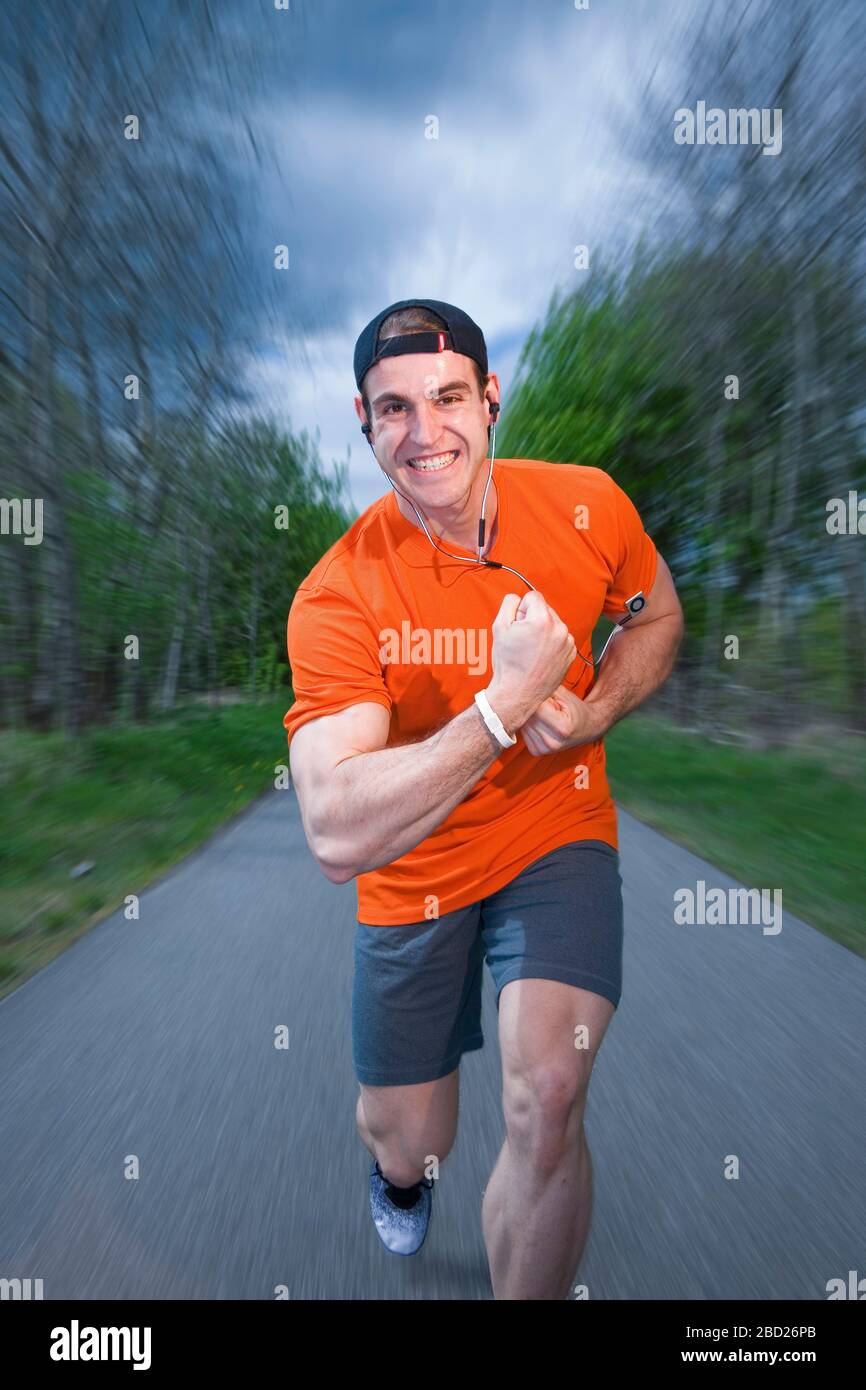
x: 489, y: 564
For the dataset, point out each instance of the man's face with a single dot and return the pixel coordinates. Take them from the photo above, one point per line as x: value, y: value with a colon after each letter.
x: 429, y: 424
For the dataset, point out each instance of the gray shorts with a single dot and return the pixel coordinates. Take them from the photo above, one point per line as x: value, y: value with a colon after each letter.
x: 416, y: 995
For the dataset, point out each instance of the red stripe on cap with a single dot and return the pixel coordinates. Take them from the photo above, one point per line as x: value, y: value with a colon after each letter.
x: 441, y: 342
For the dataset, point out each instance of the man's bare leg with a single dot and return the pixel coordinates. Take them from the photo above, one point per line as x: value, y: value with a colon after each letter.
x: 403, y: 1126
x: 537, y: 1205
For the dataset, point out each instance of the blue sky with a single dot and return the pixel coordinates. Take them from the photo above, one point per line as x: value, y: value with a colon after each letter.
x: 528, y: 163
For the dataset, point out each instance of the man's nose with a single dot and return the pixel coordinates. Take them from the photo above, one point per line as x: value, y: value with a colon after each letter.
x: 426, y: 426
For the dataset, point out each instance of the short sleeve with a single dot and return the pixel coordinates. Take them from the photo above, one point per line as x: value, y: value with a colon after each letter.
x: 633, y: 563
x: 333, y: 655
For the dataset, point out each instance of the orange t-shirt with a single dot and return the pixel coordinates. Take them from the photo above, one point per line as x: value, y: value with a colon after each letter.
x: 384, y: 616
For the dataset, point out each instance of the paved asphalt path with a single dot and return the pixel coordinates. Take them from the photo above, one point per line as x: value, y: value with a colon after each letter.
x: 155, y: 1038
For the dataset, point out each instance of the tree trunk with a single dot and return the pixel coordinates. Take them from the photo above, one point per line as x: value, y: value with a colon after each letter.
x: 173, y: 657
x: 712, y: 645
x: 56, y: 690
x: 254, y: 622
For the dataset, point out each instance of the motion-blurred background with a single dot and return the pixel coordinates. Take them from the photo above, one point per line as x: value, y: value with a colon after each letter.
x: 203, y: 204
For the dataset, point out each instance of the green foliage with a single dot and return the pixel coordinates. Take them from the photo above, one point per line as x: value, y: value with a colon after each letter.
x: 190, y: 560
x: 628, y: 373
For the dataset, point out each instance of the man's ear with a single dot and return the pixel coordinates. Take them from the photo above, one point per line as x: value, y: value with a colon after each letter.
x: 366, y: 428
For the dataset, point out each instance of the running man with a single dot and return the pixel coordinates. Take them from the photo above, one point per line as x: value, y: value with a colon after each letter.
x: 446, y: 750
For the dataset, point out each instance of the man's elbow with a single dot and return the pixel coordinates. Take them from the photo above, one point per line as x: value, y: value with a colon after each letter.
x: 337, y: 873
x: 332, y: 859
x: 330, y: 851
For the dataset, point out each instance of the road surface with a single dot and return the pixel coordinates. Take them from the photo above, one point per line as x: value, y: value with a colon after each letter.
x: 155, y: 1038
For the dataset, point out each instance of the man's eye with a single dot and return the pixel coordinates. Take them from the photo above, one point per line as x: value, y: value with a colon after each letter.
x: 401, y: 405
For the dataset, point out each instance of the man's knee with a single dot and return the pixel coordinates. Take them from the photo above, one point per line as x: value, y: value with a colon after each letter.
x: 550, y: 1034
x: 543, y: 1107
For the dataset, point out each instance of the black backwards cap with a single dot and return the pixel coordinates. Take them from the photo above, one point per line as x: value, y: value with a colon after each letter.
x: 460, y: 334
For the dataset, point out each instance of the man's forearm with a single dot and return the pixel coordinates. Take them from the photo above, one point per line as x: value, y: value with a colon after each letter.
x: 637, y: 662
x: 384, y: 803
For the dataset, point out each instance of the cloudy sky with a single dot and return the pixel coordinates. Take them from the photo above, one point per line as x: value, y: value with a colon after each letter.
x: 531, y: 100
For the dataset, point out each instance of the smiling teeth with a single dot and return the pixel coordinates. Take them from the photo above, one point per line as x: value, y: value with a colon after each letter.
x: 437, y: 461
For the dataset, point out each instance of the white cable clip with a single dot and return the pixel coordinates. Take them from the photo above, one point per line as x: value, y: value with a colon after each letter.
x: 634, y: 605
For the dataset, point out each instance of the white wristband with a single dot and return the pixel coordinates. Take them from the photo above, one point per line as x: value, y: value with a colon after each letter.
x: 492, y: 720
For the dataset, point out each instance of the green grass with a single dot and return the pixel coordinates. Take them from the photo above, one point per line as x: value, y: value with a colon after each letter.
x: 132, y: 799
x: 794, y: 819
